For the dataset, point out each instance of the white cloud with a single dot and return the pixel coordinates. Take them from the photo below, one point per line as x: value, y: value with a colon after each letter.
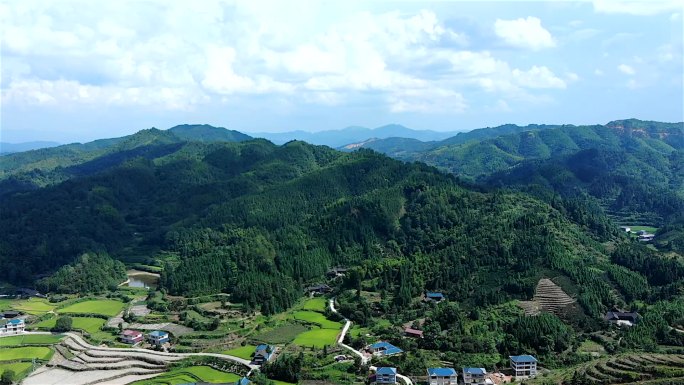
x: 598, y: 72
x: 75, y: 53
x: 626, y: 69
x: 524, y: 33
x: 538, y: 77
x: 638, y: 7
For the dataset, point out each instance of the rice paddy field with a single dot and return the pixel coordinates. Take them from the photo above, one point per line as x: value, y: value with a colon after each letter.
x: 25, y: 353
x: 242, y: 352
x: 106, y: 307
x: 31, y: 339
x: 281, y: 334
x: 191, y: 374
x: 20, y: 369
x: 33, y: 306
x: 89, y: 324
x: 317, y: 338
x: 316, y: 318
x: 316, y: 304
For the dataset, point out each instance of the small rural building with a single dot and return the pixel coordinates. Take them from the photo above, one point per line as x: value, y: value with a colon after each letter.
x: 11, y: 326
x: 475, y: 376
x: 646, y: 237
x: 442, y: 376
x: 10, y: 314
x: 336, y: 272
x: 131, y: 337
x: 158, y: 337
x: 415, y: 333
x: 524, y: 366
x: 622, y: 318
x: 263, y: 353
x: 243, y: 381
x: 384, y: 349
x: 26, y: 292
x: 385, y: 375
x: 626, y: 229
x: 319, y: 289
x: 433, y: 296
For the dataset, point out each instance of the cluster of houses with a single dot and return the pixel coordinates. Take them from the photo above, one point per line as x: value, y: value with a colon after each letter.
x: 642, y: 235
x: 523, y: 367
x: 155, y: 338
x: 10, y: 324
x: 621, y: 318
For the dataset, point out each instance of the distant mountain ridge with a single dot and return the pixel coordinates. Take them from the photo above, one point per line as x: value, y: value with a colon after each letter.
x: 9, y: 148
x: 353, y: 134
x: 38, y: 168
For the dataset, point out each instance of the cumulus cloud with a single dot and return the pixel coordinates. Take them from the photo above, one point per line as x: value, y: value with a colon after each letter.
x: 524, y: 33
x: 79, y: 52
x: 626, y: 69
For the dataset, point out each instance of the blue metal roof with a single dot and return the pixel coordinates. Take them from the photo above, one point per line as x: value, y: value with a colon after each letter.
x: 523, y: 358
x: 392, y: 350
x: 16, y: 321
x: 261, y: 347
x: 243, y: 381
x: 433, y: 294
x: 381, y: 344
x: 442, y: 372
x: 386, y: 370
x: 159, y: 333
x: 474, y: 370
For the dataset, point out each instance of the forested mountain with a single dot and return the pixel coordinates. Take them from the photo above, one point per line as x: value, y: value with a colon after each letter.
x: 38, y: 168
x: 353, y: 134
x: 259, y: 221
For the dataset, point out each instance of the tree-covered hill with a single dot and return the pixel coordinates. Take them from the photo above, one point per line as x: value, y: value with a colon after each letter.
x: 43, y: 167
x: 259, y: 221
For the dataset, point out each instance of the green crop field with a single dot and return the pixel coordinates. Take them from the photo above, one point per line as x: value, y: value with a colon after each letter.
x: 317, y: 338
x: 106, y: 307
x: 20, y: 369
x: 34, y: 306
x: 30, y: 339
x: 191, y: 374
x: 649, y: 229
x: 25, y: 353
x: 282, y: 334
x: 317, y: 318
x: 242, y: 352
x: 316, y: 304
x: 89, y: 324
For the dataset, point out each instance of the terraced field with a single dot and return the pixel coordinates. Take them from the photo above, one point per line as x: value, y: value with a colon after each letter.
x: 106, y: 307
x: 317, y: 318
x: 30, y: 339
x: 634, y: 369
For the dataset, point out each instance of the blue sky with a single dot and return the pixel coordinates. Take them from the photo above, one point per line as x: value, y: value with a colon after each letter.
x: 81, y: 70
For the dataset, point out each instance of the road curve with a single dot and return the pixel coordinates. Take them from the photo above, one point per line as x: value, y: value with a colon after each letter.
x: 345, y: 329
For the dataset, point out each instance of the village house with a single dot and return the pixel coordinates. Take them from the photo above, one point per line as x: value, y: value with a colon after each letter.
x: 384, y: 349
x: 475, y: 376
x: 415, y: 333
x: 442, y: 376
x: 336, y: 272
x: 158, y: 337
x: 11, y: 326
x: 386, y: 375
x: 622, y: 318
x: 646, y: 237
x: 262, y: 354
x: 432, y: 296
x: 243, y: 381
x: 626, y: 229
x: 318, y: 289
x: 131, y: 337
x: 9, y: 314
x: 524, y: 366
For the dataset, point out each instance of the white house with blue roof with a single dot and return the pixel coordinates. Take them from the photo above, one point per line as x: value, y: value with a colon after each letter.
x: 524, y: 366
x: 442, y: 376
x: 12, y: 326
x: 475, y: 376
x: 158, y: 337
x: 386, y: 375
x: 383, y: 348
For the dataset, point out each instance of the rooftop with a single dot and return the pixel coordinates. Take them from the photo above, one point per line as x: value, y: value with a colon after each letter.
x: 442, y: 372
x: 523, y: 358
x: 159, y: 333
x: 434, y: 294
x: 131, y: 333
x: 474, y: 370
x: 386, y: 370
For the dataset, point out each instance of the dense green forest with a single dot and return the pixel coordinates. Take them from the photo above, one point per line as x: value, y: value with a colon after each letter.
x: 260, y: 222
